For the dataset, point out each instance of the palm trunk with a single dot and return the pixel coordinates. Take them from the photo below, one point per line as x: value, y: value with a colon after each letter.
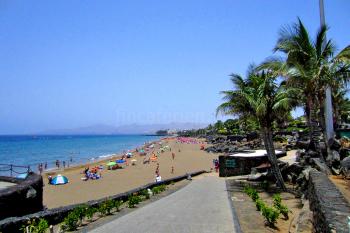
x: 323, y: 126
x: 312, y: 123
x: 308, y: 107
x: 268, y: 141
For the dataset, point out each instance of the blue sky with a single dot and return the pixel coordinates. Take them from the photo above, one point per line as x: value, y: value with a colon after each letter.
x: 66, y: 64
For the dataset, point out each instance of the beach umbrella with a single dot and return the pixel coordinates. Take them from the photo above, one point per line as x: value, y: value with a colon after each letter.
x: 59, y: 179
x: 111, y: 163
x: 120, y: 161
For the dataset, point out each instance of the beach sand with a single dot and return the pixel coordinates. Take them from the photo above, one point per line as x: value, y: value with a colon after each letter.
x: 190, y: 159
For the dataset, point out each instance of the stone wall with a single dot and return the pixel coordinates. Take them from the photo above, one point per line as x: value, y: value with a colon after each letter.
x: 55, y: 216
x: 23, y: 198
x: 330, y: 209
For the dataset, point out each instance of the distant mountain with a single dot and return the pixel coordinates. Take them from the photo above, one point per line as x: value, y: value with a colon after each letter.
x: 93, y: 129
x: 101, y: 129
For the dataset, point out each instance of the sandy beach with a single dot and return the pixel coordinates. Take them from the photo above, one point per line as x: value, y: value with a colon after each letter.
x: 189, y: 159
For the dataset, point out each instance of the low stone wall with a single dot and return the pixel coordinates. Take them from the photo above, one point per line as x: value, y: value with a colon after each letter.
x: 23, y: 198
x: 330, y: 209
x: 55, y: 216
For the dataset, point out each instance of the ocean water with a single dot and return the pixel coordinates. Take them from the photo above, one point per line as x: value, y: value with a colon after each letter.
x: 32, y: 150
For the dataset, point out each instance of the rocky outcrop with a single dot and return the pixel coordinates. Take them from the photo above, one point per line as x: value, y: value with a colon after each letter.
x: 345, y: 167
x: 23, y: 198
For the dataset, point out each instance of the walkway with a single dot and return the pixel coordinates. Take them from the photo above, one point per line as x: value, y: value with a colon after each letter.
x: 201, y: 206
x: 5, y: 185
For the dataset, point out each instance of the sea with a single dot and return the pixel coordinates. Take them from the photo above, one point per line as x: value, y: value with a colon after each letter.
x: 72, y: 149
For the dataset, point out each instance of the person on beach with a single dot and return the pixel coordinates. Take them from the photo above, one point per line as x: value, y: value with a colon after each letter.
x: 158, y: 178
x: 64, y: 164
x: 216, y: 165
x: 157, y: 169
x: 86, y: 170
x: 173, y: 155
x: 49, y: 178
x: 45, y: 166
x: 57, y: 163
x: 172, y: 169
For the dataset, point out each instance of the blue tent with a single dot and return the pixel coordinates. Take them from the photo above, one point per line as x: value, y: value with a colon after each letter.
x: 59, y: 179
x: 120, y: 161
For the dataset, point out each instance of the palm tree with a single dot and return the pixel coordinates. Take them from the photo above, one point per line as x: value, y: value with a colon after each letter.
x: 310, y: 66
x: 259, y: 96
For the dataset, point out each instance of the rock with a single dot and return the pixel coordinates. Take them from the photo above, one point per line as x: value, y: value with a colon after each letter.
x: 303, y: 222
x: 302, y: 144
x: 321, y: 166
x: 343, y: 152
x: 257, y: 176
x: 333, y: 158
x: 303, y: 179
x: 335, y: 171
x: 345, y: 167
x: 334, y: 144
x: 295, y: 168
x: 313, y: 154
x: 31, y: 193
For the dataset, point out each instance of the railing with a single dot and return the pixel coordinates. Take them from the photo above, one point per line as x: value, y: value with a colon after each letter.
x: 11, y: 170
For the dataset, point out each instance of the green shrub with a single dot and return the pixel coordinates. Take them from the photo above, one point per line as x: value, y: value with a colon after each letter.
x: 279, y: 138
x: 36, y: 227
x: 105, y: 208
x: 133, y: 201
x: 155, y: 190
x: 90, y: 213
x: 251, y: 192
x: 70, y: 222
x: 162, y: 187
x: 248, y: 190
x: 259, y: 204
x: 254, y: 195
x: 158, y: 189
x: 277, y: 203
x: 145, y: 193
x: 271, y: 215
x: 118, y: 204
x: 80, y: 211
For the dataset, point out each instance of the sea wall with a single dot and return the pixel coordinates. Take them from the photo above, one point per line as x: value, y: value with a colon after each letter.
x: 330, y: 209
x: 55, y: 216
x: 23, y: 198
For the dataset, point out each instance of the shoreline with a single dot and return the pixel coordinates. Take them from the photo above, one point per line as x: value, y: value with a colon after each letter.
x: 94, y: 162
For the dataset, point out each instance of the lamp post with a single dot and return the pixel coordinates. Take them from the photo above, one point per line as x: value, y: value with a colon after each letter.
x: 328, y: 101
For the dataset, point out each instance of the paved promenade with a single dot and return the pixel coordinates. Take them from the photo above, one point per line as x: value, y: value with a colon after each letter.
x: 201, y: 206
